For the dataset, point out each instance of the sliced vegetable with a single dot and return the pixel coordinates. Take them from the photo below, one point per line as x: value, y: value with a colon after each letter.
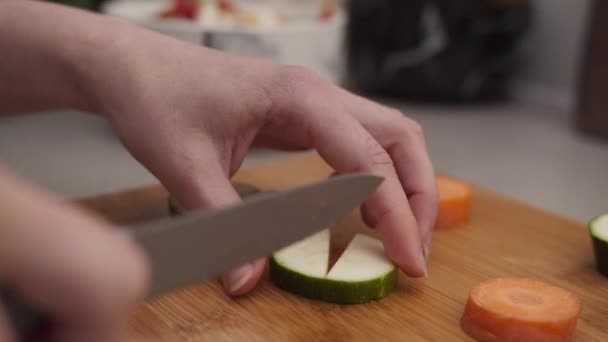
x: 599, y: 235
x: 520, y: 309
x: 301, y: 267
x: 455, y: 199
x: 361, y: 274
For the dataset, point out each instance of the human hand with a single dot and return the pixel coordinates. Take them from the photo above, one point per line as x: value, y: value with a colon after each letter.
x: 190, y: 115
x: 75, y: 268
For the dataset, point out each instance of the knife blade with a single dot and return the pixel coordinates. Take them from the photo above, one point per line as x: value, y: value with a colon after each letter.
x: 202, y: 244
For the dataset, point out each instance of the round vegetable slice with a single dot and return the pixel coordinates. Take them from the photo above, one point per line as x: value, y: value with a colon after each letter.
x: 520, y: 309
x: 362, y: 273
x: 598, y: 228
x: 301, y: 267
x: 455, y: 199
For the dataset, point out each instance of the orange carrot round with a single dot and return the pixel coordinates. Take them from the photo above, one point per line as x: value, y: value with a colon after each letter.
x: 522, y: 310
x: 455, y: 199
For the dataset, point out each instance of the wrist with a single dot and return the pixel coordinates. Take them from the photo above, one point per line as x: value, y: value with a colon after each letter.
x: 53, y: 59
x: 116, y: 62
x: 103, y: 61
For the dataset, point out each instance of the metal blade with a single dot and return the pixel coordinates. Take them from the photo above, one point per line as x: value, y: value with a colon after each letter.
x: 201, y: 245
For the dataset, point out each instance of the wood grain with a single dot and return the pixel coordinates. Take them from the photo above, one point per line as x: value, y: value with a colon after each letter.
x: 504, y: 238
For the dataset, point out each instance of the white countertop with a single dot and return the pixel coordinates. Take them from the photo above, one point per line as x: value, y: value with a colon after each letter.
x: 527, y: 152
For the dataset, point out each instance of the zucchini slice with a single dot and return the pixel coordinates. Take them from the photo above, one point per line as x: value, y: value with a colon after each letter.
x: 362, y: 273
x: 598, y: 228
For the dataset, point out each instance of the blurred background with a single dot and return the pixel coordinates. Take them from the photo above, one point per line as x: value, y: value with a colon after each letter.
x: 509, y: 92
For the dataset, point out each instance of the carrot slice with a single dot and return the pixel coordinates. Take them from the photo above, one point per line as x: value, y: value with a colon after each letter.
x: 520, y: 309
x: 455, y: 199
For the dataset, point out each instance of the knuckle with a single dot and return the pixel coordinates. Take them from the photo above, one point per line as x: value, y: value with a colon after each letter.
x: 298, y: 80
x: 299, y: 73
x: 396, y: 113
x: 417, y: 129
x: 379, y: 157
x: 405, y: 126
x: 294, y: 91
x: 412, y: 129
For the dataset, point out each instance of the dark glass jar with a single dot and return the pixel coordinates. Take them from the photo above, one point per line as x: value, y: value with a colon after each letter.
x: 439, y: 50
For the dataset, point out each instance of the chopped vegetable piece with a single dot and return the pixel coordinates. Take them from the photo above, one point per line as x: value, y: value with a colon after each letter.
x: 522, y: 310
x: 362, y: 273
x: 598, y: 228
x: 455, y: 199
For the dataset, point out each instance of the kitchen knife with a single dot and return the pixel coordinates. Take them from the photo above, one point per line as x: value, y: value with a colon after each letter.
x: 202, y: 244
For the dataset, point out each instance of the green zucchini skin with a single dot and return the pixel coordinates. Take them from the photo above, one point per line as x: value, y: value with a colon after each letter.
x: 294, y: 282
x: 174, y: 208
x: 332, y: 291
x: 600, y: 248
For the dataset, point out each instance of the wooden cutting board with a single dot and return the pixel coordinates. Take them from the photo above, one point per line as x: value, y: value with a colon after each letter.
x: 504, y: 238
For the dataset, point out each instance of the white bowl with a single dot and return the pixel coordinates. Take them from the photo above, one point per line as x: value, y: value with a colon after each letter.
x: 313, y: 44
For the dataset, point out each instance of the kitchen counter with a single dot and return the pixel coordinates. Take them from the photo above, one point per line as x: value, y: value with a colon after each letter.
x: 524, y: 151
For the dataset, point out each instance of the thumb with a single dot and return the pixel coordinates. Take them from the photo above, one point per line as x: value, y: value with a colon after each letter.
x: 212, y: 189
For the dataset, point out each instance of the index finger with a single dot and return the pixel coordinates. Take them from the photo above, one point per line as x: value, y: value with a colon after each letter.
x: 404, y: 140
x: 348, y: 147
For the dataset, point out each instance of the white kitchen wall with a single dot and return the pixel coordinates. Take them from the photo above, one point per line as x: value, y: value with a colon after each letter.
x: 553, y: 50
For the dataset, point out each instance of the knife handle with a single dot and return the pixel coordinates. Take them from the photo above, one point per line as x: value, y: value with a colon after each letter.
x: 26, y: 321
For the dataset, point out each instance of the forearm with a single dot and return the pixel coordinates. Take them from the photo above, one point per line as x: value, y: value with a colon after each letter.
x: 51, y: 56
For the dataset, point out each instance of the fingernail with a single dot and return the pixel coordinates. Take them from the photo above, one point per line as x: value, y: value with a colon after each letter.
x: 425, y: 269
x: 423, y: 262
x: 235, y: 279
x: 427, y: 251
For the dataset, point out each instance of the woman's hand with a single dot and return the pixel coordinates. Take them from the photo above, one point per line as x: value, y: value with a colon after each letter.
x: 190, y: 115
x: 79, y: 270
